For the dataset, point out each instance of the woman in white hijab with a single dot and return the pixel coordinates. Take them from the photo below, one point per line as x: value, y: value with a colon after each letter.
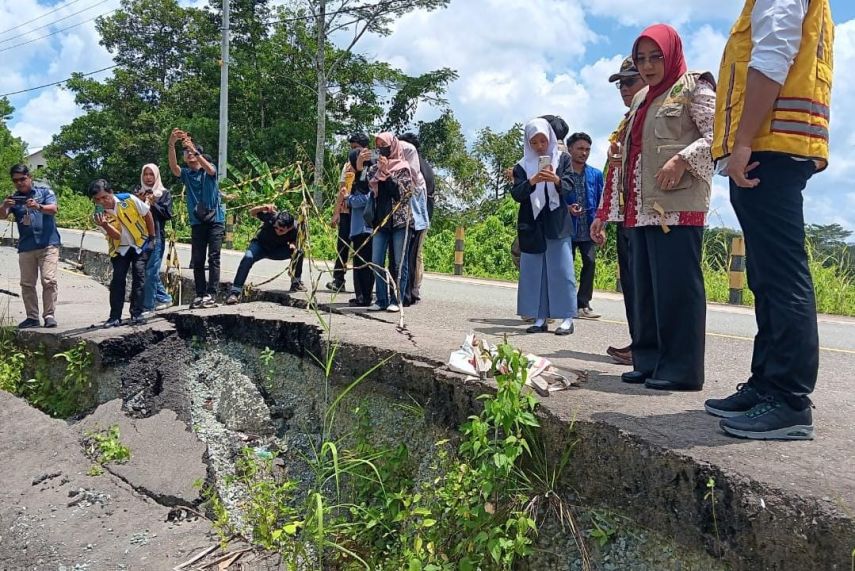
x: 156, y: 195
x: 542, y: 186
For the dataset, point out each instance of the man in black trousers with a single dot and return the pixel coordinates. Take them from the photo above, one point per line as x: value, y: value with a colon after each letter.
x: 770, y: 137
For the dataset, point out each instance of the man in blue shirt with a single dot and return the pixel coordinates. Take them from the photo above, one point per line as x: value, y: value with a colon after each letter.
x: 34, y: 209
x: 588, y: 187
x: 206, y: 212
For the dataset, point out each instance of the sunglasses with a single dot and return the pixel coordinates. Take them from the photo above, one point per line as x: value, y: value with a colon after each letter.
x: 190, y: 153
x: 627, y: 82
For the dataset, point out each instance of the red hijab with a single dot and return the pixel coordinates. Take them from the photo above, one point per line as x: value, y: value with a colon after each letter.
x: 671, y: 45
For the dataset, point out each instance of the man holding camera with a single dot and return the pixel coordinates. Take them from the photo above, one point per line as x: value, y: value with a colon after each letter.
x: 34, y: 209
x: 277, y: 239
x: 206, y: 213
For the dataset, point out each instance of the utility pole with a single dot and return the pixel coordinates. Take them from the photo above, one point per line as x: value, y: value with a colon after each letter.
x: 320, y: 71
x: 224, y: 96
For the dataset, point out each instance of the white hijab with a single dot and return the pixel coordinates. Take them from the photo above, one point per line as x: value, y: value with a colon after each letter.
x: 530, y: 161
x: 157, y: 188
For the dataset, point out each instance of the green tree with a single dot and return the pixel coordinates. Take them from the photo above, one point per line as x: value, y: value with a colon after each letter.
x: 499, y: 152
x: 337, y: 17
x: 12, y: 149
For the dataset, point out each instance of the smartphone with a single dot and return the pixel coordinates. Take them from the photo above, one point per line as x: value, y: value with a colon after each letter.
x: 543, y: 162
x: 375, y: 155
x: 99, y: 209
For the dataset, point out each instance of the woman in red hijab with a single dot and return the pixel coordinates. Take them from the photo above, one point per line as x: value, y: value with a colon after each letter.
x: 668, y: 172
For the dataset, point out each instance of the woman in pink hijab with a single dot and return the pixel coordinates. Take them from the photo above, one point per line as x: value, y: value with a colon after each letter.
x: 392, y: 181
x: 159, y: 199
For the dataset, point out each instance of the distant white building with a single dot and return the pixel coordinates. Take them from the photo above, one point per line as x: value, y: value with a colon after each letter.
x: 36, y: 161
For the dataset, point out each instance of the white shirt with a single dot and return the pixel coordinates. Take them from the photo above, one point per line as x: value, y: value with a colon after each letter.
x: 127, y: 240
x: 776, y: 32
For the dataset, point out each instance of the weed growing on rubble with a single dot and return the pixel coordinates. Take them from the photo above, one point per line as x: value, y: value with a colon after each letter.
x: 366, y: 507
x: 710, y: 495
x: 58, y: 395
x: 105, y: 446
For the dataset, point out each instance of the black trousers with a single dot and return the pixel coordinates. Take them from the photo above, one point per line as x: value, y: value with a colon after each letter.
x: 786, y: 349
x: 623, y: 256
x: 136, y: 263
x: 342, y: 248
x: 363, y: 275
x: 586, y: 277
x: 414, y: 242
x: 670, y: 303
x: 206, y: 239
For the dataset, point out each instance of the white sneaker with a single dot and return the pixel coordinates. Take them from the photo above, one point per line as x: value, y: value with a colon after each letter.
x: 392, y: 308
x: 375, y: 307
x: 209, y: 301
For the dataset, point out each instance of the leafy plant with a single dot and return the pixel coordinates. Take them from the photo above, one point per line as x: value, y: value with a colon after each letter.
x: 95, y: 470
x: 106, y: 446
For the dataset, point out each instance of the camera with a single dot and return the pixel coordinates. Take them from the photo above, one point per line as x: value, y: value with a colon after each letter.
x: 20, y: 200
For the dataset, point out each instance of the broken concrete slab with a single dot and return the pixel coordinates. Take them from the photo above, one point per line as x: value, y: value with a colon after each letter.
x: 107, y: 521
x: 241, y: 407
x: 167, y: 460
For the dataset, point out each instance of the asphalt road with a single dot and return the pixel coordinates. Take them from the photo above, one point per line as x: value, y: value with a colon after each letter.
x: 452, y: 307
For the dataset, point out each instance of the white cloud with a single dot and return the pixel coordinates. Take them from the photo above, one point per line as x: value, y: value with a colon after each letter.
x: 675, y: 12
x: 42, y: 114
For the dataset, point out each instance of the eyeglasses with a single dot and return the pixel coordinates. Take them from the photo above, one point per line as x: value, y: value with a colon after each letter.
x: 628, y: 82
x: 652, y: 60
x: 190, y: 154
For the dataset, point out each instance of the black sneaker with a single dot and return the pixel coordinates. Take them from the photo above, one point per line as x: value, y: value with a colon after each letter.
x: 208, y: 301
x: 111, y: 323
x: 744, y: 399
x: 297, y: 286
x: 29, y: 323
x: 335, y: 286
x: 50, y: 322
x: 137, y: 320
x: 771, y: 419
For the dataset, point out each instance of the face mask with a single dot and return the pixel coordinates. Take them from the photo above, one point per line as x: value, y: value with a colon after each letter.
x: 385, y: 151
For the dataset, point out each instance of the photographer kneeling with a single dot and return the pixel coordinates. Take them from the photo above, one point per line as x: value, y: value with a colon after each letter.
x: 275, y: 240
x: 129, y: 225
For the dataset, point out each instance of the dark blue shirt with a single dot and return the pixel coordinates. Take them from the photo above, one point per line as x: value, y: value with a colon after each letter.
x: 202, y: 188
x: 41, y: 231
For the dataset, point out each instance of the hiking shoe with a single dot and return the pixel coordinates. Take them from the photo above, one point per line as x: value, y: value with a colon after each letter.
x: 208, y: 301
x: 29, y: 323
x: 771, y: 419
x: 111, y: 323
x: 196, y: 303
x: 335, y: 286
x: 744, y: 399
x: 50, y: 322
x: 587, y: 313
x: 233, y: 299
x: 297, y: 286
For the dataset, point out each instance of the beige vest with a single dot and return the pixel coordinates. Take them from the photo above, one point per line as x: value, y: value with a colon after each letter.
x: 668, y: 129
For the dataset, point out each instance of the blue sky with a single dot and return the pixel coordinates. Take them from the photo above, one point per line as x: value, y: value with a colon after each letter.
x: 516, y: 59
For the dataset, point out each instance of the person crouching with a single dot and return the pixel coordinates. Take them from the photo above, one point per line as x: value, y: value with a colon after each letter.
x: 129, y: 225
x: 275, y: 240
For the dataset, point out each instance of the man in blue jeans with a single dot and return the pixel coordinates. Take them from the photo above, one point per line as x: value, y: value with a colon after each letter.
x: 275, y: 240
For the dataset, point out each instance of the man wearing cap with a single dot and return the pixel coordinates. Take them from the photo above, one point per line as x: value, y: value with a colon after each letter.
x: 770, y: 137
x: 611, y: 207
